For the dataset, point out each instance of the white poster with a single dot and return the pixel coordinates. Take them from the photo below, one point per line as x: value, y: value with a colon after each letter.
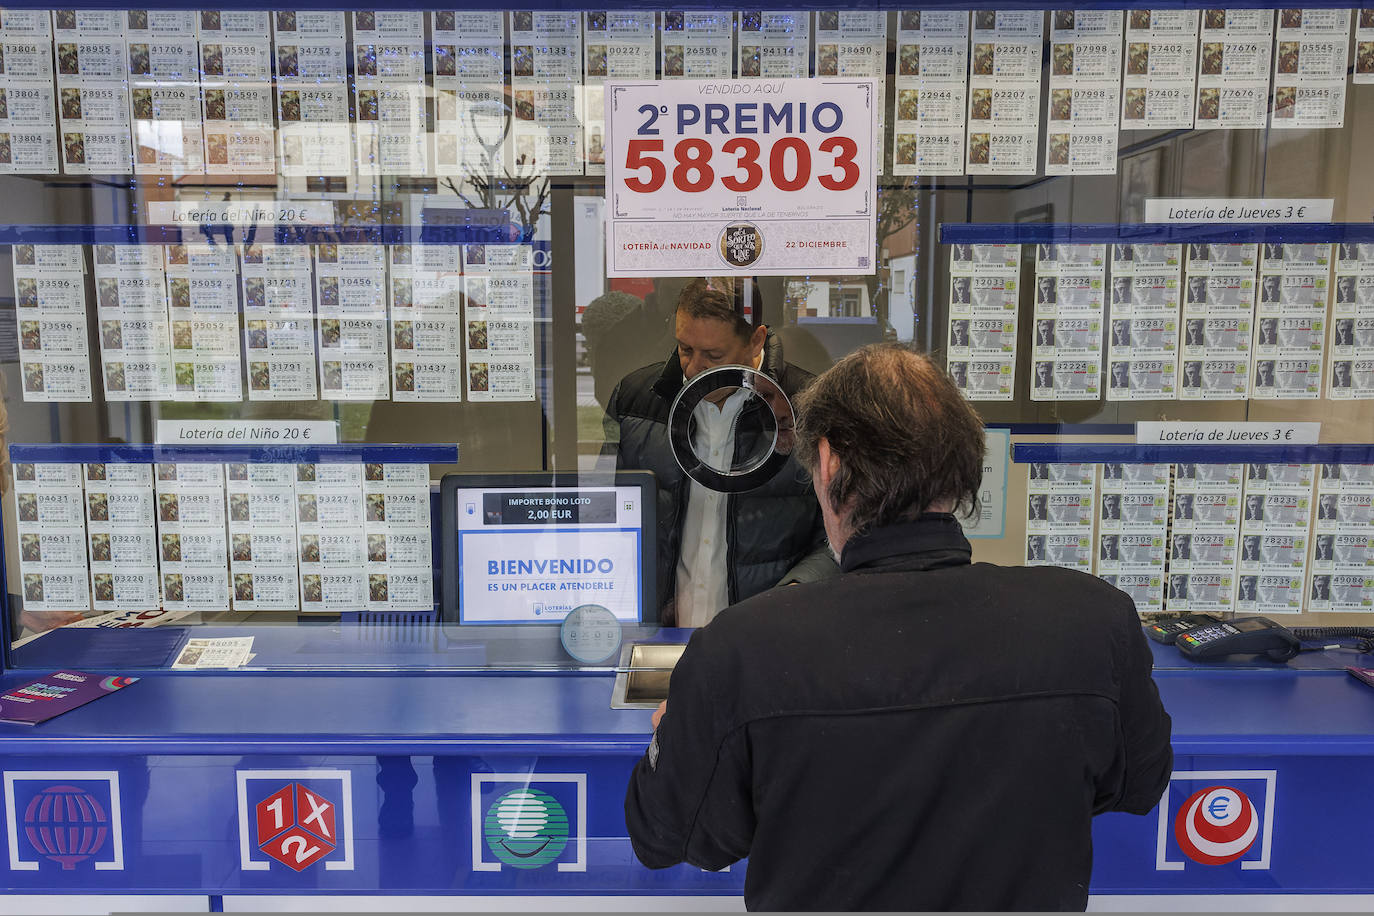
x: 1066, y: 356
x: 698, y: 44
x: 471, y: 135
x: 49, y: 509
x: 1352, y: 324
x: 932, y: 92
x: 1143, y: 331
x: 50, y: 315
x: 122, y: 537
x: 1004, y: 92
x: 135, y: 337
x: 1206, y: 530
x: 1290, y: 321
x: 773, y: 44
x: 203, y: 308
x: 1344, y: 548
x: 687, y: 194
x: 315, y: 134
x: 1132, y: 527
x: 279, y: 322
x: 1161, y: 69
x: 1085, y: 92
x: 1233, y: 77
x: 1218, y: 311
x: 1061, y: 506
x: 1310, y: 68
x: 1275, y: 527
x: 28, y: 126
x: 193, y: 544
x: 546, y: 80
x: 983, y: 296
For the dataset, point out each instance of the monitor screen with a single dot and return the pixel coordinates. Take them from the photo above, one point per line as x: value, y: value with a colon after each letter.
x: 527, y: 549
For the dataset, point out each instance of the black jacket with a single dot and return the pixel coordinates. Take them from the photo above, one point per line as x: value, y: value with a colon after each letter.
x: 917, y: 733
x: 772, y: 533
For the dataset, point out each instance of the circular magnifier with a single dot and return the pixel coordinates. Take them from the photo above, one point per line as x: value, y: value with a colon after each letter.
x: 731, y: 429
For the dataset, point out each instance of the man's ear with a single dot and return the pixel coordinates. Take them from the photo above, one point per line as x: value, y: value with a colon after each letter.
x: 827, y: 463
x: 757, y: 339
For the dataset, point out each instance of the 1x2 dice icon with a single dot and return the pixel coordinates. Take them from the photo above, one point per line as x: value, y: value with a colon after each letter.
x: 296, y: 826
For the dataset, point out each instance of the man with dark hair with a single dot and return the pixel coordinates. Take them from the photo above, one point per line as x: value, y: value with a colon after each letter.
x: 907, y: 735
x: 715, y: 549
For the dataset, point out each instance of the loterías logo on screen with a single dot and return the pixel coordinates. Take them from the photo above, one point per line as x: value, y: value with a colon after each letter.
x: 1216, y: 818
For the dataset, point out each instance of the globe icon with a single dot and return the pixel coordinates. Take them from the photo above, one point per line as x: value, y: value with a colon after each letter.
x: 66, y: 824
x: 526, y: 828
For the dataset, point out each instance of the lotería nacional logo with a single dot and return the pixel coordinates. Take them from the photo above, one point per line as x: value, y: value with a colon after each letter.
x: 1216, y: 818
x: 69, y: 818
x: 529, y: 820
x: 741, y: 244
x: 295, y: 817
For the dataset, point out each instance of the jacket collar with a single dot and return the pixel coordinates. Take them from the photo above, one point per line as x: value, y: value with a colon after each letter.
x: 669, y: 381
x: 932, y: 541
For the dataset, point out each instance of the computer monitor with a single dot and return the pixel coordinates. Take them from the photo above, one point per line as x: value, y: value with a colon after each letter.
x: 528, y: 548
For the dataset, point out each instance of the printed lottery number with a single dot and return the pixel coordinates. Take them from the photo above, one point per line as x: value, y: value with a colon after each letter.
x: 790, y: 166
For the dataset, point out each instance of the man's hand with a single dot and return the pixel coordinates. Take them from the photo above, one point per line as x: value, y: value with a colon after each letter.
x: 658, y: 713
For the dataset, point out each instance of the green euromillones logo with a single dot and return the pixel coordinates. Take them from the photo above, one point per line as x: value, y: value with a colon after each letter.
x: 526, y: 828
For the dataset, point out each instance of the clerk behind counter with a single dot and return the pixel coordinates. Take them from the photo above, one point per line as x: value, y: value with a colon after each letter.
x: 717, y: 549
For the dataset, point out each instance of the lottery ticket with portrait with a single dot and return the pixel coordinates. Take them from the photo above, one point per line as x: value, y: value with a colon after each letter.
x: 262, y: 536
x: 279, y: 322
x: 1060, y: 513
x: 983, y: 299
x: 1352, y: 324
x: 50, y: 313
x: 236, y: 68
x: 1131, y: 530
x: 351, y: 294
x: 932, y: 92
x: 93, y: 91
x: 1004, y: 92
x: 1085, y: 92
x: 1161, y: 69
x: 1364, y: 46
x: 773, y: 44
x: 546, y: 76
x: 1276, y: 527
x: 135, y: 337
x: 399, y: 551
x: 203, y: 312
x: 28, y: 133
x: 1218, y: 311
x: 1204, y: 537
x: 1233, y: 73
x: 426, y: 323
x: 164, y: 92
x: 51, y: 520
x: 1143, y: 328
x: 469, y: 72
x: 122, y: 536
x: 1310, y: 60
x: 1066, y: 357
x: 193, y: 545
x: 619, y: 44
x: 498, y: 315
x: 698, y: 45
x: 315, y: 135
x: 1290, y: 321
x: 1343, y: 553
x: 389, y: 69
x: 329, y: 531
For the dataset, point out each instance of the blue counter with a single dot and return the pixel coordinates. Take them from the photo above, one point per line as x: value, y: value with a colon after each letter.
x: 490, y: 783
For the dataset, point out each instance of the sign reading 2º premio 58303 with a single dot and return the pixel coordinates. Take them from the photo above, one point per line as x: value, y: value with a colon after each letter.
x: 741, y: 176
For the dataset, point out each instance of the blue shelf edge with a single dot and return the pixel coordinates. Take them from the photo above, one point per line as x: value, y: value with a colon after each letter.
x: 1131, y: 453
x: 483, y: 232
x: 61, y: 453
x: 1152, y: 233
